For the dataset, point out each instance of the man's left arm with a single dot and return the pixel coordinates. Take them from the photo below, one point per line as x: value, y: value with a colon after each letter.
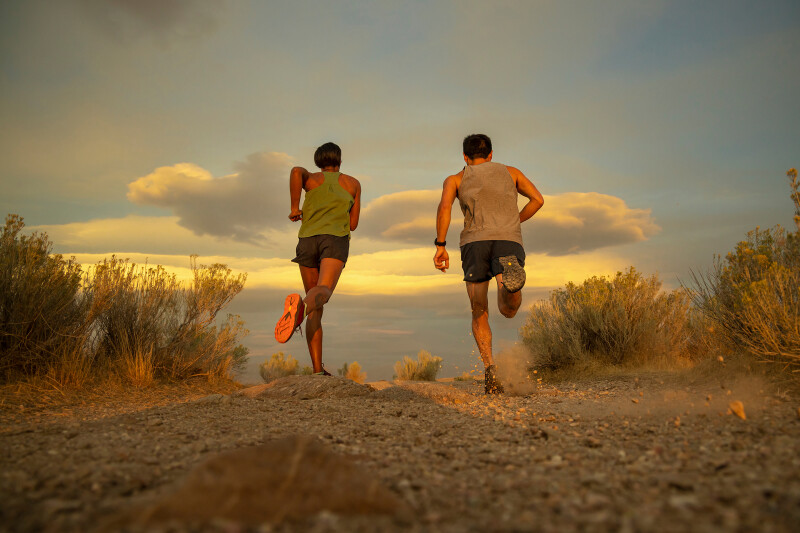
x: 527, y: 189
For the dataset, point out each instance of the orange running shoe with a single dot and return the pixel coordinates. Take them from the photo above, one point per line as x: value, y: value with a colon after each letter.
x: 291, y: 319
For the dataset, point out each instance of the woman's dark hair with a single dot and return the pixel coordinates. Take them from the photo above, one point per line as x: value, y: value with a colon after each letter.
x: 328, y: 155
x: 477, y: 146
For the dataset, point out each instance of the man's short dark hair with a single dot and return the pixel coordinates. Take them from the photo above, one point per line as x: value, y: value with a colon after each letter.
x: 328, y: 155
x: 477, y: 146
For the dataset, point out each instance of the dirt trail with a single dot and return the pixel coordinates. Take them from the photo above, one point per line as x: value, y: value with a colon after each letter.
x: 623, y: 454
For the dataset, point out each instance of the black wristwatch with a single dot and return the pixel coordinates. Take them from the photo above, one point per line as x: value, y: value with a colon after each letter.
x: 437, y: 243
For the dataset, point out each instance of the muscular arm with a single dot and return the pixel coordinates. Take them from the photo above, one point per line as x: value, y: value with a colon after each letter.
x: 527, y: 189
x: 355, y: 211
x: 297, y: 178
x: 441, y: 260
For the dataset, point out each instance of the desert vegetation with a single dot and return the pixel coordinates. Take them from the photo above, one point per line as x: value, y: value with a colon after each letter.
x: 280, y: 365
x: 352, y: 372
x: 753, y: 295
x: 137, y: 322
x: 622, y: 320
x: 424, y: 368
x: 748, y: 305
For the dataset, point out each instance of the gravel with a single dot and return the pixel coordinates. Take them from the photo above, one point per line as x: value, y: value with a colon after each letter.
x: 645, y: 453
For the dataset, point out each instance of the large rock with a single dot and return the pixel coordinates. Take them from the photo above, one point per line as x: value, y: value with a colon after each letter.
x: 284, y: 480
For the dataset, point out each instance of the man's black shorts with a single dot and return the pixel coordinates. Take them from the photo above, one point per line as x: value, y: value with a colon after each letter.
x: 312, y: 250
x: 480, y: 259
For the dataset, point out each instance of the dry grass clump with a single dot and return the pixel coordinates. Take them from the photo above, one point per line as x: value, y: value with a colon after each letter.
x: 424, y: 368
x: 137, y: 322
x: 352, y: 372
x: 278, y: 366
x: 626, y: 320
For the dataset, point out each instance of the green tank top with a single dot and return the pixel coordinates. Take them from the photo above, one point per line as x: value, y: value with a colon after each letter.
x: 326, y: 209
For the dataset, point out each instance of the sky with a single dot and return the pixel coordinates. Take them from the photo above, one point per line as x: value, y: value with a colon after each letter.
x: 659, y: 133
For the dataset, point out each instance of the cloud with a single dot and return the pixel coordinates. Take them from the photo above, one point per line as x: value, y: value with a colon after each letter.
x: 576, y: 222
x: 240, y: 206
x: 408, y: 216
x: 569, y: 223
x: 151, y: 236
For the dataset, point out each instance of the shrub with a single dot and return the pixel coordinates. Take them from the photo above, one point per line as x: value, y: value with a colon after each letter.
x: 145, y: 319
x: 136, y: 321
x: 42, y: 310
x: 753, y: 295
x: 424, y: 368
x: 278, y: 366
x: 623, y: 320
x: 352, y: 372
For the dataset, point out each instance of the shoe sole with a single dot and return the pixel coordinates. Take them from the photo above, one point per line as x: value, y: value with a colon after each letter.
x: 513, y: 273
x: 292, y: 317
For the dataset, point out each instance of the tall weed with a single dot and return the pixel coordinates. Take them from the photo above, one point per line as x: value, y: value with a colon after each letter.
x: 619, y: 321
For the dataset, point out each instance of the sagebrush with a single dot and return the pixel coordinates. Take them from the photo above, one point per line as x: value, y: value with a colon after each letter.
x: 352, y: 372
x: 623, y: 320
x: 277, y: 366
x: 424, y: 368
x: 117, y: 317
x: 42, y: 308
x: 753, y: 296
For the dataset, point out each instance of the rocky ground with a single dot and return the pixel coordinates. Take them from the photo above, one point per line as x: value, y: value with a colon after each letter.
x: 309, y: 453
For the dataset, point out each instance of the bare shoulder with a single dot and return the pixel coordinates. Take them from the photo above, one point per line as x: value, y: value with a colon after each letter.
x: 454, y: 180
x: 514, y: 171
x: 350, y: 179
x: 351, y: 184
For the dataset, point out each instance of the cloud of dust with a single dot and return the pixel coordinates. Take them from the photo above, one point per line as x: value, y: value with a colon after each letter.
x: 512, y: 370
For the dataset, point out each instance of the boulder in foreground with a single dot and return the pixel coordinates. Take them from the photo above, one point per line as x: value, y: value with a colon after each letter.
x: 285, y: 480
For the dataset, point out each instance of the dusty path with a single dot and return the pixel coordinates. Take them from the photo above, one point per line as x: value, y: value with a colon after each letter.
x: 608, y: 455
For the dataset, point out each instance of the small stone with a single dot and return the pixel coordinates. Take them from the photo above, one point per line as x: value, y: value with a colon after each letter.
x: 592, y: 442
x: 634, y: 400
x: 737, y: 408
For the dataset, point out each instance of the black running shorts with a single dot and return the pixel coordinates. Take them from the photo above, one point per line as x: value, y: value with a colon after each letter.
x: 312, y: 250
x: 480, y: 259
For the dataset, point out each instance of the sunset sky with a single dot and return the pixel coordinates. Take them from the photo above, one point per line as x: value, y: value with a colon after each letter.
x: 659, y: 132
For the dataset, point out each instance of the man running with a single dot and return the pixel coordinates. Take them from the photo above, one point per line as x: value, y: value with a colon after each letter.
x: 330, y: 212
x: 491, y: 241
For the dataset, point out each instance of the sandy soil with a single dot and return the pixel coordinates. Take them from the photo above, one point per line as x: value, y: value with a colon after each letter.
x: 308, y: 453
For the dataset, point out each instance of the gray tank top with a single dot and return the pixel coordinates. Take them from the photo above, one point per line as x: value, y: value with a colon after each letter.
x: 488, y: 199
